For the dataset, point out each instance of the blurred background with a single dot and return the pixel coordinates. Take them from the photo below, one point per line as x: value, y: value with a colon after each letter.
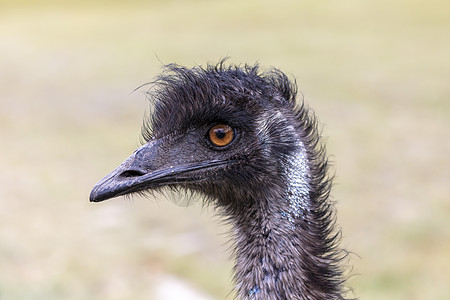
x: 377, y: 73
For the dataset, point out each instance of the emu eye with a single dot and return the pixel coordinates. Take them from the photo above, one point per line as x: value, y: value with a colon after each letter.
x: 221, y: 135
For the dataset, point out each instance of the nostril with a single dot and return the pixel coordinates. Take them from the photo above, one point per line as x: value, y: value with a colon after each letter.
x: 133, y: 173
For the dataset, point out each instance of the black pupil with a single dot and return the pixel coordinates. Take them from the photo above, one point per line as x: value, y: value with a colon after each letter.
x: 220, y: 133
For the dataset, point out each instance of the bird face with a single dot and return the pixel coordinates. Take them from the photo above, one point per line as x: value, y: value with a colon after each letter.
x: 215, y: 131
x: 189, y: 158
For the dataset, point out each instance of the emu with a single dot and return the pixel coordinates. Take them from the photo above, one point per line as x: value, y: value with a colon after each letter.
x: 236, y: 135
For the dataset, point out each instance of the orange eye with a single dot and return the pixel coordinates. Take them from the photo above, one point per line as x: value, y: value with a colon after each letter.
x: 221, y: 135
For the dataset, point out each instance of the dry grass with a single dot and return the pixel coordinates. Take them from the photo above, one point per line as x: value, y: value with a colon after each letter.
x: 377, y: 74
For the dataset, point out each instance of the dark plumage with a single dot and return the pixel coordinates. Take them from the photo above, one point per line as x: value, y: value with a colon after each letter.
x: 237, y: 136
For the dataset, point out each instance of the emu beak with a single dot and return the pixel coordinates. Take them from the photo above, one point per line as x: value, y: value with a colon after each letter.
x: 128, y: 177
x: 153, y: 165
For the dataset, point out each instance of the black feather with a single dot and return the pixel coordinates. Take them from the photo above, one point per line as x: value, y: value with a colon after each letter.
x: 275, y: 192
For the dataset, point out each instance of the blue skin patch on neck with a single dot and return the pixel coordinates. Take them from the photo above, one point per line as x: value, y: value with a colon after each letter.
x: 254, y: 290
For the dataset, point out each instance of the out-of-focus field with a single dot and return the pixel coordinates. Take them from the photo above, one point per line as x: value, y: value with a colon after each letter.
x: 377, y: 74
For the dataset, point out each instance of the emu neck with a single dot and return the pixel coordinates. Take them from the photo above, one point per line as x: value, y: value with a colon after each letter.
x: 280, y: 252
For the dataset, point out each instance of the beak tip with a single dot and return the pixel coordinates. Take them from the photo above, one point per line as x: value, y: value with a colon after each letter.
x: 93, y: 196
x: 99, y: 194
x: 106, y: 190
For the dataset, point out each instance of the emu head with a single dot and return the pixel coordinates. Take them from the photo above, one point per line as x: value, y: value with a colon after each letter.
x: 226, y: 132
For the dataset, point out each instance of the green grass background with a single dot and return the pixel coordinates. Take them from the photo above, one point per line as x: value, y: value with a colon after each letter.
x: 377, y: 74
